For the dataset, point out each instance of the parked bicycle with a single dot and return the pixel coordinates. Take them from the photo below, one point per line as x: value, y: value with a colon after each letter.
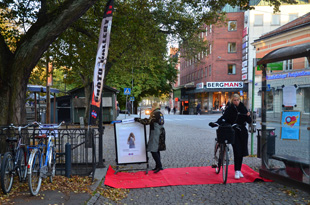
x: 42, y: 162
x: 224, y: 135
x: 14, y: 160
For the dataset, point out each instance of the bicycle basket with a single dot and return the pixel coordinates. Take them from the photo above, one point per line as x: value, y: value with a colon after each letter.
x: 225, y: 133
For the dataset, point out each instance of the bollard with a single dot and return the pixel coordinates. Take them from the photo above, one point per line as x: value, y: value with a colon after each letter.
x: 68, y: 160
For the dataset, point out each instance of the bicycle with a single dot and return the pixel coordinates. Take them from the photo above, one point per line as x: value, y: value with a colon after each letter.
x: 15, y: 160
x: 225, y: 135
x: 38, y: 167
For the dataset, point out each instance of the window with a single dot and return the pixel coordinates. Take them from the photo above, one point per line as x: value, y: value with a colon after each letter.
x: 258, y: 20
x: 210, y: 28
x: 210, y: 48
x: 206, y: 71
x: 210, y: 70
x: 232, y: 25
x: 206, y: 31
x: 231, y: 69
x: 275, y: 19
x: 306, y: 100
x: 288, y: 64
x: 269, y: 98
x: 292, y: 17
x: 232, y: 48
x: 307, y: 63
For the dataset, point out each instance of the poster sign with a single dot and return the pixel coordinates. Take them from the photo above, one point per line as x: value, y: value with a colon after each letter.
x: 290, y: 122
x: 130, y: 143
x: 289, y: 96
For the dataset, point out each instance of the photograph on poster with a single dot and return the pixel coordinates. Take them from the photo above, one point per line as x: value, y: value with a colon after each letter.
x: 130, y: 143
x: 290, y: 122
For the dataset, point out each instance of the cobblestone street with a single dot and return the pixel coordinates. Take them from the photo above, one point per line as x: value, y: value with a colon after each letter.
x: 190, y: 143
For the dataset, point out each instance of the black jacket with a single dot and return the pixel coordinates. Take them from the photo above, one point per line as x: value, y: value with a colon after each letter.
x: 234, y: 114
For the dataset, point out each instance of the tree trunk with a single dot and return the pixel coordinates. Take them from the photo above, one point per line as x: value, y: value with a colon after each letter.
x: 15, y: 68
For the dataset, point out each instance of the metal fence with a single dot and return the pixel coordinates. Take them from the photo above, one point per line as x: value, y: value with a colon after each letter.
x: 84, y: 147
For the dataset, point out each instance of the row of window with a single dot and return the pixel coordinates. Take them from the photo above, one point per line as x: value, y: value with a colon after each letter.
x: 275, y: 19
x: 232, y: 48
x: 199, y: 74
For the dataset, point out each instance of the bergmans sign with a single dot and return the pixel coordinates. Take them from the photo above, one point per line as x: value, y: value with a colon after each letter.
x: 224, y: 84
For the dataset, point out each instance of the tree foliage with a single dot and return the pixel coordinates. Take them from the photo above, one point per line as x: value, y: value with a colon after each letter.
x: 29, y: 27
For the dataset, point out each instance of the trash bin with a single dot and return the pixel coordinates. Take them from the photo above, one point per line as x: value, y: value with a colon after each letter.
x: 271, y: 141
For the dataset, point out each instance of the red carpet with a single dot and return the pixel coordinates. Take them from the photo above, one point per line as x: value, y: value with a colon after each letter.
x: 177, y: 176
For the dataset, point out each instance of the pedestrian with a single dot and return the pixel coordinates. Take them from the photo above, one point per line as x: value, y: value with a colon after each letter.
x: 174, y: 110
x: 216, y: 104
x: 169, y: 110
x: 128, y: 106
x: 238, y: 114
x: 198, y: 108
x: 156, y: 141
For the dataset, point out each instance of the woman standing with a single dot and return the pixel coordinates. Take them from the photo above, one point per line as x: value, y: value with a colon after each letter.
x: 237, y: 113
x: 155, y: 143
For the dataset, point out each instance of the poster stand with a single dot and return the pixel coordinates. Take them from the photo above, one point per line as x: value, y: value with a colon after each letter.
x: 130, y: 144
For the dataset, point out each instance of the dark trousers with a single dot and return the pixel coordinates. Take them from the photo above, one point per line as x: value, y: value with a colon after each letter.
x: 238, y: 158
x: 156, y: 157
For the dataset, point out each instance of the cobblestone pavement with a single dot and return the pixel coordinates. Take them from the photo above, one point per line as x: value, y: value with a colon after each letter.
x: 188, y: 145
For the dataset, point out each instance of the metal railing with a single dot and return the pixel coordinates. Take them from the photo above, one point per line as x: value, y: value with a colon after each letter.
x: 84, y: 147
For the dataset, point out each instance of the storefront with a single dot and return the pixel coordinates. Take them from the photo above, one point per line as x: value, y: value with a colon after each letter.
x: 214, y: 95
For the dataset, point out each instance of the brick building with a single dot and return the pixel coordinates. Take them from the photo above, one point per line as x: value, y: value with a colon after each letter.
x: 211, y: 77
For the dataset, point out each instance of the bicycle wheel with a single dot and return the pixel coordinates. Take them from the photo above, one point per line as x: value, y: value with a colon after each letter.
x: 34, y: 178
x: 7, y: 173
x: 52, y: 163
x: 219, y: 161
x: 225, y: 163
x: 22, y: 163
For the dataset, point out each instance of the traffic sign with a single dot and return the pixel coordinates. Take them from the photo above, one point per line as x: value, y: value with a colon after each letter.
x: 132, y: 99
x: 127, y: 91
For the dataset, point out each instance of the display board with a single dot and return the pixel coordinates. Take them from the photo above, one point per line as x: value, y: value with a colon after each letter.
x: 290, y: 125
x: 130, y: 142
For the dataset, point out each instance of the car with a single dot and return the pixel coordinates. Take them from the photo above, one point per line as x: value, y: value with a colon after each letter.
x: 147, y: 111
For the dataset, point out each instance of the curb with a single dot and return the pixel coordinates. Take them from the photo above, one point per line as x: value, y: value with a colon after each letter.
x: 99, y: 177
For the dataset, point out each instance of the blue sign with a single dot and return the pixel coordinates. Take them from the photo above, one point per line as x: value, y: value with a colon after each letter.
x: 127, y: 91
x: 132, y: 99
x: 241, y: 93
x: 268, y: 87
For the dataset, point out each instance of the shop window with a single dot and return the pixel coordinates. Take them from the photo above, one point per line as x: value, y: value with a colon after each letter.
x: 275, y: 20
x: 231, y: 69
x: 258, y: 20
x: 269, y: 97
x: 232, y: 25
x: 307, y: 100
x: 232, y: 48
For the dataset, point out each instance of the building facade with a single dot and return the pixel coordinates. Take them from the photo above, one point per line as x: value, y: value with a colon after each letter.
x: 258, y: 22
x: 290, y: 72
x: 211, y: 77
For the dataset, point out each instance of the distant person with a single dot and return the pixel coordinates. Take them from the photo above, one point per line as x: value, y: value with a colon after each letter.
x: 198, y: 108
x: 169, y: 109
x: 118, y: 109
x: 238, y: 114
x: 216, y: 104
x: 156, y: 141
x: 128, y: 106
x: 131, y: 140
x: 174, y: 110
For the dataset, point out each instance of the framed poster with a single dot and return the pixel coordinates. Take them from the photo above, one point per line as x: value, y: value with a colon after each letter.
x: 290, y: 125
x: 130, y: 143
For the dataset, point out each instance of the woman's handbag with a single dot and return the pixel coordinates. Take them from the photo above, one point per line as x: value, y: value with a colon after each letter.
x: 162, y: 140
